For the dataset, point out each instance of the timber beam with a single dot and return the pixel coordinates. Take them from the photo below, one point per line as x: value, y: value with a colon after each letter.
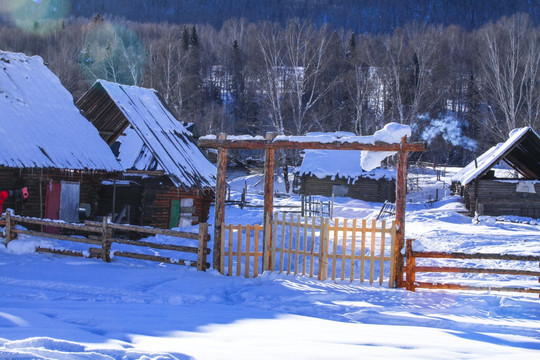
x: 292, y: 144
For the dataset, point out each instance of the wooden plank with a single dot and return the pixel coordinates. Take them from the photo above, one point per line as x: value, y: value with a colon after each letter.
x: 392, y: 256
x: 143, y: 229
x: 459, y: 255
x: 312, y: 243
x: 162, y: 259
x: 372, y: 254
x: 296, y: 257
x: 281, y: 255
x: 426, y: 285
x: 305, y: 237
x: 353, y: 249
x: 453, y: 269
x: 290, y: 249
x: 343, y: 249
x: 334, y: 248
x: 238, y: 250
x: 230, y: 250
x: 188, y: 249
x: 363, y: 250
x: 256, y: 251
x: 57, y: 223
x: 222, y: 250
x: 248, y: 235
x: 57, y: 236
x: 274, y: 243
x: 381, y: 259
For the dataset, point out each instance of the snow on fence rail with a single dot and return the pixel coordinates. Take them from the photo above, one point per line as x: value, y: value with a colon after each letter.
x: 101, y: 234
x: 356, y: 250
x: 411, y: 270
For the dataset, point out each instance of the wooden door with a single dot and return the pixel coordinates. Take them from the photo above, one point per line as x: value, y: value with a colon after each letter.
x: 174, y: 214
x: 52, y: 205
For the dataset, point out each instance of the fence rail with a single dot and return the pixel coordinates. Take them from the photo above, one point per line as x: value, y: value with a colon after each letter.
x: 338, y: 249
x: 412, y: 269
x: 101, y: 234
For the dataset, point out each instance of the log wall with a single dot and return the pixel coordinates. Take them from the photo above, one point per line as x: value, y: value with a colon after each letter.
x: 11, y: 178
x: 364, y: 188
x: 150, y: 200
x: 497, y: 197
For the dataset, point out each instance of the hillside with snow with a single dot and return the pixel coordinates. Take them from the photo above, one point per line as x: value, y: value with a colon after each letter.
x: 57, y: 307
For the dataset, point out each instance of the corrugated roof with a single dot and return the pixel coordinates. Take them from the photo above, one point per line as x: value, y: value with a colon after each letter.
x: 164, y: 143
x: 39, y: 124
x: 521, y: 151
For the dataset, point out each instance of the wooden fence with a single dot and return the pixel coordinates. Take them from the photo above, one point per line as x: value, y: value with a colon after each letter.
x: 338, y: 249
x: 101, y: 234
x: 412, y: 269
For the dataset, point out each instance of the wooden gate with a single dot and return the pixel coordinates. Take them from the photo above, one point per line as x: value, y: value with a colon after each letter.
x: 335, y: 249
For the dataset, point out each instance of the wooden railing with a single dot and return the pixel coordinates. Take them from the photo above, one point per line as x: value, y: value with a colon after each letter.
x: 412, y: 269
x: 101, y: 234
x: 355, y: 250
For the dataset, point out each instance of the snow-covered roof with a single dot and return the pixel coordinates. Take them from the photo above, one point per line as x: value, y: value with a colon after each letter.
x: 39, y: 124
x: 154, y: 140
x: 521, y: 151
x: 339, y: 164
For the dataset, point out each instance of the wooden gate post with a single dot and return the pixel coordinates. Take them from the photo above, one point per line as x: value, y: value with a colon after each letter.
x: 411, y: 263
x: 105, y: 243
x: 268, y: 196
x: 201, y: 249
x: 401, y: 202
x: 221, y: 188
x: 8, y: 226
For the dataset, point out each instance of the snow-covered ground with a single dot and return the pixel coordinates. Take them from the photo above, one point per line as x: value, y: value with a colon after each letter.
x: 55, y: 307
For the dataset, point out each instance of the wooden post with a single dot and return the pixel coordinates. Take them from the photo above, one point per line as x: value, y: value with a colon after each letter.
x: 203, y: 242
x: 105, y: 244
x: 411, y: 262
x: 401, y: 202
x: 221, y: 188
x: 268, y: 193
x: 8, y: 226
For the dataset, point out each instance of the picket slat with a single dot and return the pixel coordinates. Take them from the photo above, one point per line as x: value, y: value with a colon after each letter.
x: 353, y: 249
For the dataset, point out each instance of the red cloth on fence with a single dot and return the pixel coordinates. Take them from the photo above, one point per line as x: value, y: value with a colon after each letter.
x: 3, y: 195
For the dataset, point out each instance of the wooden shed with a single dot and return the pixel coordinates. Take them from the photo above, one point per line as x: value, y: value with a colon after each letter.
x: 505, y: 180
x: 327, y: 172
x: 167, y: 180
x: 47, y: 145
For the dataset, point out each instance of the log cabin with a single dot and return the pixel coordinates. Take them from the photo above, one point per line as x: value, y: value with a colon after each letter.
x: 167, y: 181
x: 47, y: 145
x: 505, y: 180
x: 338, y: 172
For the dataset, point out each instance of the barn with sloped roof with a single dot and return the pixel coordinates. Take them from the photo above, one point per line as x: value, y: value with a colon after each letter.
x: 47, y: 145
x: 505, y: 180
x: 168, y: 182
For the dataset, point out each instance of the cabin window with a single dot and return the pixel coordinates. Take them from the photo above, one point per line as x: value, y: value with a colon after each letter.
x: 340, y: 190
x: 181, y: 213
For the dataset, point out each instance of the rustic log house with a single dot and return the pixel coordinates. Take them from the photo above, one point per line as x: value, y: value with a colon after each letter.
x: 327, y: 172
x: 505, y: 180
x: 167, y: 181
x: 47, y: 145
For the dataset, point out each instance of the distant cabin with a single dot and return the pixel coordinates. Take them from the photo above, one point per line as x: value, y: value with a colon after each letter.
x: 47, y: 145
x: 167, y: 181
x: 505, y: 180
x: 338, y: 172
